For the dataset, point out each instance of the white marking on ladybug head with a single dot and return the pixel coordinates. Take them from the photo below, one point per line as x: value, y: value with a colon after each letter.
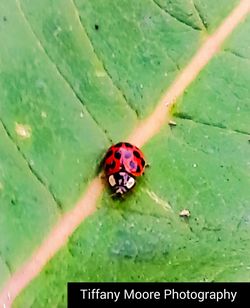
x: 130, y: 183
x: 112, y: 181
x: 120, y: 191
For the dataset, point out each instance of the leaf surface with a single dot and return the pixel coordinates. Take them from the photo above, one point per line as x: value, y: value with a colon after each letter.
x: 72, y: 82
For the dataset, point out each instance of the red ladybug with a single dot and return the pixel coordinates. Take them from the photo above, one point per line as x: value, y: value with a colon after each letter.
x: 122, y: 164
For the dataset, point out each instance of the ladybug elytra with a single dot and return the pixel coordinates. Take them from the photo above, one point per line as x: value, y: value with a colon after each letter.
x: 122, y: 164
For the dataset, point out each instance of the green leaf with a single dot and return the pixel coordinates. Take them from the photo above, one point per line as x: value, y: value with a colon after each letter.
x: 59, y: 104
x: 76, y: 76
x: 23, y: 199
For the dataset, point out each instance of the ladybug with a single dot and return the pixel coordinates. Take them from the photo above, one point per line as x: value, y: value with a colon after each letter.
x: 122, y: 164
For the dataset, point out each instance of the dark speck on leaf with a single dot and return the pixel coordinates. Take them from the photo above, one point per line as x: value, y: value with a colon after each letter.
x: 96, y: 27
x: 4, y: 18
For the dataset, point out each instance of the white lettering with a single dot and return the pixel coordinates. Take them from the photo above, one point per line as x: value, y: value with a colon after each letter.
x: 83, y: 292
x: 167, y: 292
x: 233, y: 296
x: 141, y: 295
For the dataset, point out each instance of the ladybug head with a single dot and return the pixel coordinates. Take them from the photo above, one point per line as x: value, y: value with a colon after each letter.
x: 121, y: 182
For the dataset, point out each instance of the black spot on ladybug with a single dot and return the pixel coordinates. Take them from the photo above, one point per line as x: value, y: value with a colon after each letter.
x: 136, y: 154
x: 142, y: 162
x: 138, y: 169
x: 107, y: 167
x: 117, y: 155
x: 127, y: 154
x: 96, y: 27
x: 112, y: 165
x: 132, y: 164
x: 128, y: 145
x: 110, y: 152
x: 118, y: 145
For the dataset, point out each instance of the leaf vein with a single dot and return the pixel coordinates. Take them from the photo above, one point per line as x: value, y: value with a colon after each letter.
x: 201, y: 18
x: 32, y: 170
x: 125, y: 99
x: 186, y: 117
x: 60, y: 73
x: 175, y: 17
x: 236, y: 54
x: 6, y: 263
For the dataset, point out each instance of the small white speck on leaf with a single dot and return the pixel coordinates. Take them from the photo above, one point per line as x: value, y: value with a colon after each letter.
x: 158, y: 200
x: 141, y: 86
x: 113, y: 55
x: 168, y: 102
x: 184, y: 213
x: 43, y: 114
x: 100, y: 73
x: 81, y: 114
x: 166, y: 74
x: 23, y: 130
x: 172, y: 123
x: 194, y: 165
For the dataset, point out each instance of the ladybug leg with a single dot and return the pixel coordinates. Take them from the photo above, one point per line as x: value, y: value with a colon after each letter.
x: 117, y: 197
x: 113, y: 195
x: 102, y: 176
x: 100, y: 165
x: 146, y: 166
